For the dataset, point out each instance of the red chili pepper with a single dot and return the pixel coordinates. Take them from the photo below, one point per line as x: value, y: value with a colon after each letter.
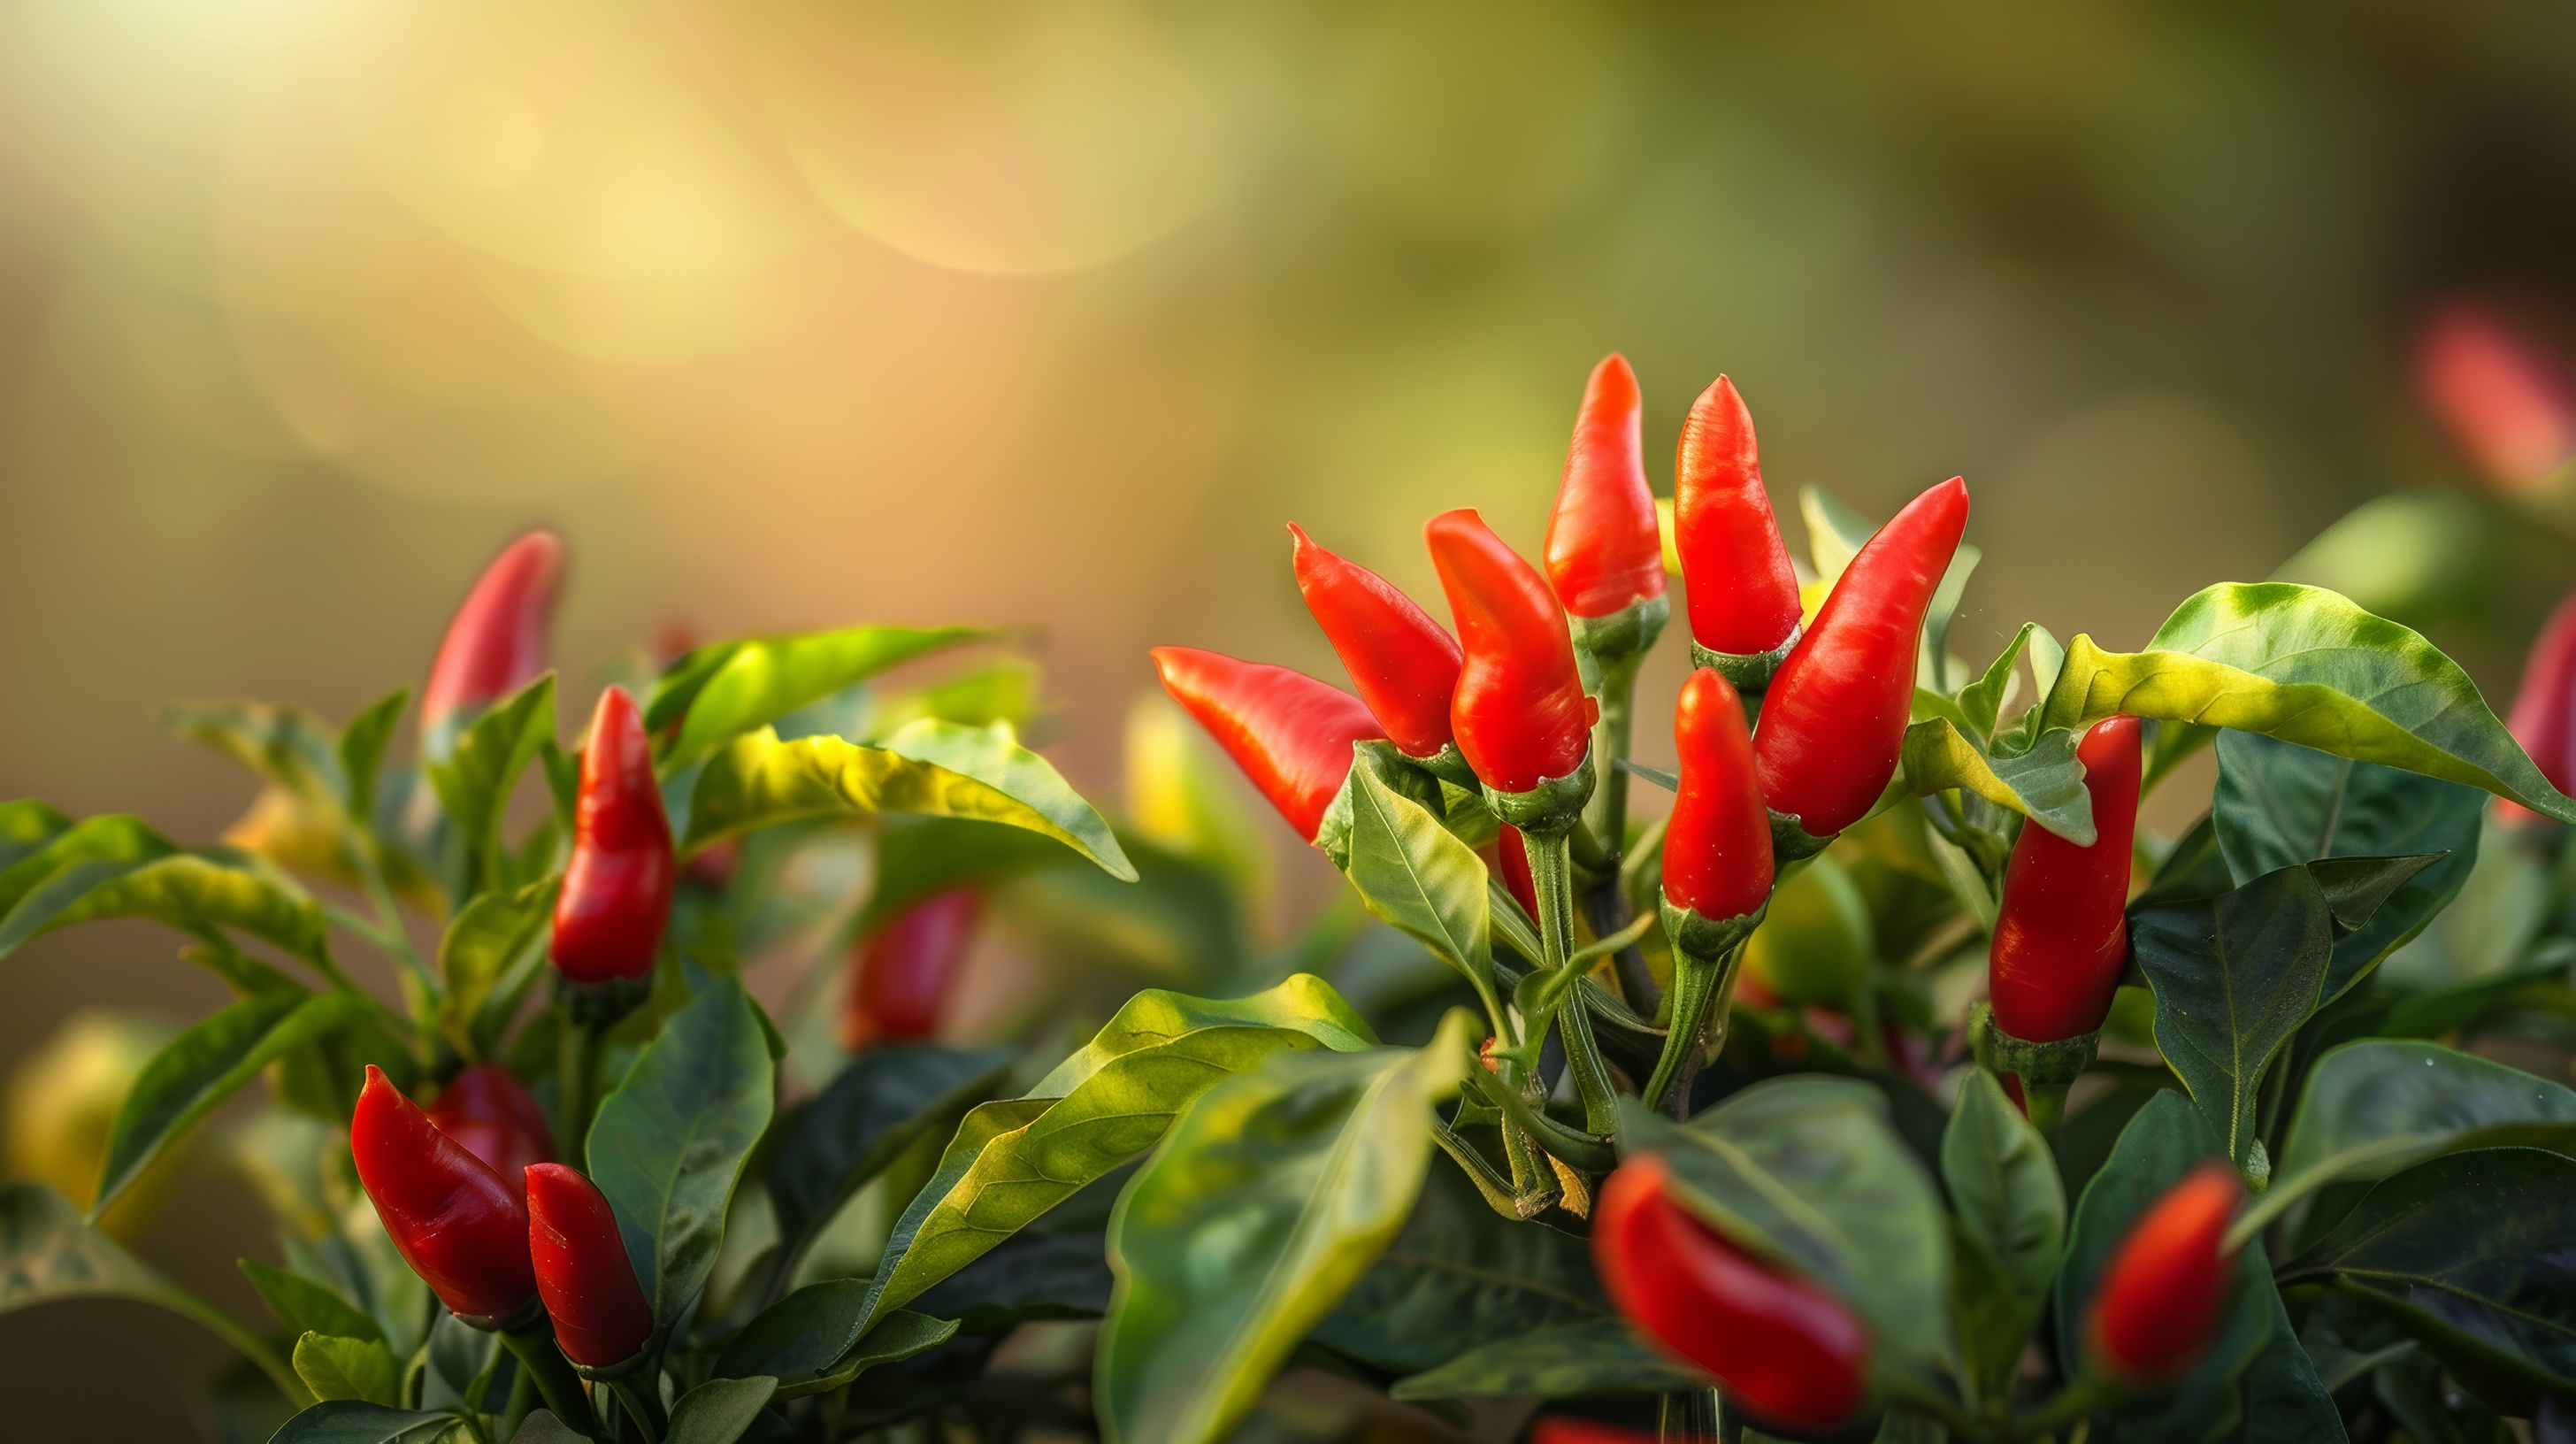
x: 459, y: 1226
x: 1560, y: 1429
x: 583, y: 1273
x: 1737, y: 579
x: 905, y: 970
x: 488, y: 1112
x: 1513, y: 855
x: 496, y: 642
x: 1836, y: 712
x: 2062, y: 931
x: 1520, y: 714
x: 1404, y: 664
x: 2154, y: 1309
x: 1604, y: 551
x: 2543, y: 718
x: 1782, y: 1346
x: 1717, y: 849
x: 617, y: 888
x: 1291, y: 734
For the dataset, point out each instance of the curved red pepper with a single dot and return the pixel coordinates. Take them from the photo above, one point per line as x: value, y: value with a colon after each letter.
x: 2158, y: 1300
x: 617, y: 888
x: 1513, y: 854
x: 1836, y: 711
x: 905, y: 970
x: 1520, y: 715
x: 496, y: 643
x: 583, y: 1273
x: 1291, y: 734
x: 2062, y: 932
x: 1717, y: 848
x: 491, y: 1114
x: 1737, y: 579
x: 1564, y: 1429
x: 1779, y: 1344
x: 2543, y: 718
x: 1604, y: 550
x: 1404, y: 664
x: 456, y: 1223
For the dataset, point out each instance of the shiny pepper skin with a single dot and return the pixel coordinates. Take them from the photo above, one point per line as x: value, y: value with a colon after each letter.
x: 1777, y: 1343
x: 496, y: 643
x: 1520, y: 715
x: 583, y: 1273
x: 1291, y: 734
x: 1717, y: 849
x: 1736, y: 575
x: 906, y: 969
x: 1836, y: 712
x: 2543, y: 718
x: 1604, y: 551
x: 2062, y: 933
x: 617, y: 888
x: 1404, y: 664
x: 459, y: 1226
x: 2159, y: 1299
x: 491, y: 1114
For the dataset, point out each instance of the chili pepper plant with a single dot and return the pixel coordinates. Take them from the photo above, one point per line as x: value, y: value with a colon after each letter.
x: 1892, y: 1082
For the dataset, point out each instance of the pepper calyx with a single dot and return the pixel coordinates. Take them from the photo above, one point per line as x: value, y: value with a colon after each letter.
x: 1750, y: 672
x: 1790, y: 841
x: 1554, y: 806
x: 1627, y: 632
x: 2040, y: 1065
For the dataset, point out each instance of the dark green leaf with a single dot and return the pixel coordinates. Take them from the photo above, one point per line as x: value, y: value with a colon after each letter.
x: 2045, y: 784
x: 1809, y: 1171
x: 883, y: 1102
x: 350, y: 1421
x: 1034, y: 1274
x: 309, y: 1305
x: 338, y: 1368
x: 717, y: 1411
x: 1601, y: 1356
x: 2162, y: 1143
x: 543, y: 1427
x: 932, y: 767
x: 2011, y: 1208
x: 460, y: 1357
x: 2469, y: 1255
x: 731, y: 688
x: 1413, y: 873
x: 1269, y: 1200
x: 1459, y: 1277
x: 206, y: 1065
x: 670, y: 1143
x: 802, y: 1340
x: 2279, y: 803
x: 2196, y: 868
x: 362, y: 750
x: 2309, y: 667
x: 480, y: 944
x: 475, y: 782
x: 2365, y: 1094
x: 2281, y: 1398
x: 1013, y: 1160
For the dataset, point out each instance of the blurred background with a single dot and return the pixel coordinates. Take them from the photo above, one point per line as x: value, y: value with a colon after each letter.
x: 792, y: 313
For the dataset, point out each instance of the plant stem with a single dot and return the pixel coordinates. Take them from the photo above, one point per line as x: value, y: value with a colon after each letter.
x: 1606, y: 812
x: 1698, y: 988
x: 643, y: 1408
x: 556, y: 1383
x: 1552, y: 872
x: 523, y: 1402
x: 1694, y: 1417
x: 576, y: 1043
x: 2047, y: 1105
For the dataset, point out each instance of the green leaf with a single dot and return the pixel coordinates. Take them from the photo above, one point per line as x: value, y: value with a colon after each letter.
x: 1835, y: 532
x: 362, y: 750
x: 475, y: 782
x: 2235, y: 976
x: 731, y: 688
x: 480, y: 944
x: 282, y: 743
x: 459, y: 1357
x: 2307, y: 666
x: 308, y: 1305
x: 1413, y: 873
x: 883, y: 1102
x: 1808, y: 1170
x: 115, y: 867
x: 338, y: 1368
x: 352, y: 1421
x: 1113, y: 1099
x: 718, y: 1411
x: 2011, y: 1212
x: 206, y: 1065
x: 798, y: 1340
x: 1933, y: 656
x: 1459, y: 1277
x: 1981, y: 701
x: 1179, y: 923
x: 26, y: 825
x: 2365, y: 1095
x: 1599, y: 1356
x: 932, y: 767
x: 542, y: 1427
x: 2195, y: 869
x: 2278, y: 804
x: 2162, y: 1143
x: 925, y: 855
x: 2045, y: 784
x: 2469, y: 1255
x: 670, y: 1143
x: 1269, y: 1200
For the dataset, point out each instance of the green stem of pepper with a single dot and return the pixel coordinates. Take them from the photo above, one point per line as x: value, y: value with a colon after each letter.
x: 1700, y: 986
x: 1552, y: 874
x: 556, y: 1383
x: 576, y: 1059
